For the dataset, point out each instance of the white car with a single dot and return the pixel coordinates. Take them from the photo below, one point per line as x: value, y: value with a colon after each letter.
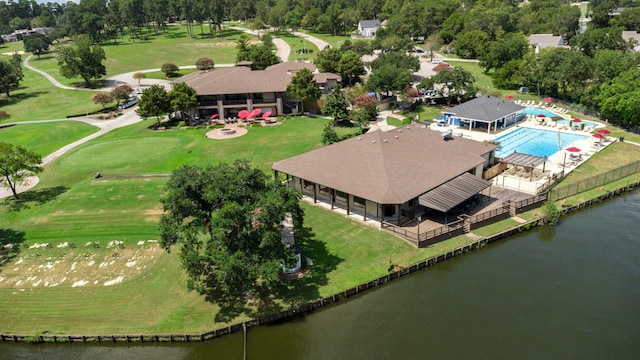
x: 436, y: 61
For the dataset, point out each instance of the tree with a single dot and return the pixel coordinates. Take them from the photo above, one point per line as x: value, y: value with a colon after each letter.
x: 600, y: 38
x: 204, y: 63
x: 139, y: 76
x: 17, y: 164
x: 103, y: 99
x: 182, y: 98
x: 10, y: 73
x: 620, y: 100
x: 471, y: 44
x: 511, y: 46
x: 389, y: 78
x: 456, y: 84
x: 170, y: 69
x: 336, y: 105
x: 83, y: 59
x: 154, y: 102
x: 328, y: 60
x: 329, y: 135
x: 36, y: 43
x: 350, y: 66
x: 303, y: 87
x: 227, y: 219
x: 366, y: 109
x: 121, y: 92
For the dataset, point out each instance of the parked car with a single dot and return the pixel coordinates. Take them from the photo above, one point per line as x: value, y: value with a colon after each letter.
x: 129, y: 103
x: 436, y: 61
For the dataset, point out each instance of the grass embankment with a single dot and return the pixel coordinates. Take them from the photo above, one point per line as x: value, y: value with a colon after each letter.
x: 334, y: 41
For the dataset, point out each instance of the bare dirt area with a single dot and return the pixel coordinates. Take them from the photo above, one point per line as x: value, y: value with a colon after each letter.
x: 89, y: 264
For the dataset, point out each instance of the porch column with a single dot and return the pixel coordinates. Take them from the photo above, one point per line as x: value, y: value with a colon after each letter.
x: 315, y: 195
x: 221, y: 108
x: 364, y: 216
x: 381, y: 212
x: 333, y: 197
x: 348, y: 199
x: 398, y: 213
x: 249, y: 103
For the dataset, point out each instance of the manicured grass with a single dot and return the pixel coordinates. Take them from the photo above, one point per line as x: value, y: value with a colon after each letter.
x: 334, y: 41
x: 176, y: 47
x: 45, y: 138
x: 483, y: 81
x: 397, y: 122
x: 495, y: 228
x: 10, y: 48
x: 613, y: 156
x: 38, y: 99
x: 298, y: 44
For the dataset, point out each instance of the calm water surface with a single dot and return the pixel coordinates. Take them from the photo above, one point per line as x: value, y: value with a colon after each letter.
x: 571, y: 291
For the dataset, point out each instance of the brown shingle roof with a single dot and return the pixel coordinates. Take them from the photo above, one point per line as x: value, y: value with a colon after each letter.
x: 388, y: 167
x: 321, y: 78
x: 236, y: 80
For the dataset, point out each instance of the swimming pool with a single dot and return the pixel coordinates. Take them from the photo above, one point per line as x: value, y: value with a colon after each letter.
x: 585, y: 122
x: 534, y: 142
x: 534, y: 111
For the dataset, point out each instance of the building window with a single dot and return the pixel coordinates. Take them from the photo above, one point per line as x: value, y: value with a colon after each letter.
x: 307, y: 184
x: 324, y: 190
x: 341, y: 195
x: 358, y: 201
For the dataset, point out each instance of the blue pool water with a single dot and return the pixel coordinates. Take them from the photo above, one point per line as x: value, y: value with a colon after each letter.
x: 534, y: 142
x: 585, y: 122
x: 534, y: 111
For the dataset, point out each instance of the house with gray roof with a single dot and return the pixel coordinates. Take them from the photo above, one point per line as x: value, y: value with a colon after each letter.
x: 227, y: 91
x: 633, y: 37
x: 544, y: 41
x: 368, y: 28
x: 392, y: 176
x: 485, y: 111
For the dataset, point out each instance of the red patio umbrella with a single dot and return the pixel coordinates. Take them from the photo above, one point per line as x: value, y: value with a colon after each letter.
x: 604, y: 131
x: 255, y: 112
x: 214, y: 116
x: 243, y: 114
x: 598, y: 136
x: 573, y: 149
x: 542, y: 115
x: 548, y: 99
x: 509, y: 97
x: 266, y: 115
x: 576, y: 120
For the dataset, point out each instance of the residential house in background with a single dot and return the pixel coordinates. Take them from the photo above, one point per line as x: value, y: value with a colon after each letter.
x: 368, y: 28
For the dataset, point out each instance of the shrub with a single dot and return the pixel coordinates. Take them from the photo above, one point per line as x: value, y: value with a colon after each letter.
x: 551, y: 213
x: 170, y: 69
x: 4, y: 115
x: 204, y: 64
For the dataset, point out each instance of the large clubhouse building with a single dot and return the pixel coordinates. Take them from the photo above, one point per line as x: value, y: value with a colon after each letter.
x: 393, y: 176
x: 227, y: 91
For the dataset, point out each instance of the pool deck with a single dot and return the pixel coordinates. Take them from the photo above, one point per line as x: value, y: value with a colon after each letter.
x: 556, y: 166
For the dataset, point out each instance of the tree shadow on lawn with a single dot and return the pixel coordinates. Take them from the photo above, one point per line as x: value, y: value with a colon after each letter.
x: 10, y: 244
x: 288, y: 293
x: 18, y: 97
x: 39, y: 197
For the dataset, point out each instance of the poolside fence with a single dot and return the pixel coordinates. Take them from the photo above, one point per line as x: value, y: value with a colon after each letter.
x: 593, y: 182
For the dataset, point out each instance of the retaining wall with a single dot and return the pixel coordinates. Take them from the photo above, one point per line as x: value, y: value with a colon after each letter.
x: 305, y: 308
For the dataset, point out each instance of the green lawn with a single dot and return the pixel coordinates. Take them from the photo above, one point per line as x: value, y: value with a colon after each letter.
x: 334, y: 41
x: 174, y: 47
x: 37, y: 99
x: 68, y: 205
x: 46, y: 138
x: 484, y: 81
x: 298, y: 44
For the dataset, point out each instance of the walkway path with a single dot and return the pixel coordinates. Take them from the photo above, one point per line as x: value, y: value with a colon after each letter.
x: 321, y: 44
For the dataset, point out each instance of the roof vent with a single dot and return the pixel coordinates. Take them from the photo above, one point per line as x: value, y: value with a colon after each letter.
x: 396, y: 137
x: 447, y: 135
x: 373, y: 141
x: 359, y: 138
x: 385, y: 141
x: 399, y: 130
